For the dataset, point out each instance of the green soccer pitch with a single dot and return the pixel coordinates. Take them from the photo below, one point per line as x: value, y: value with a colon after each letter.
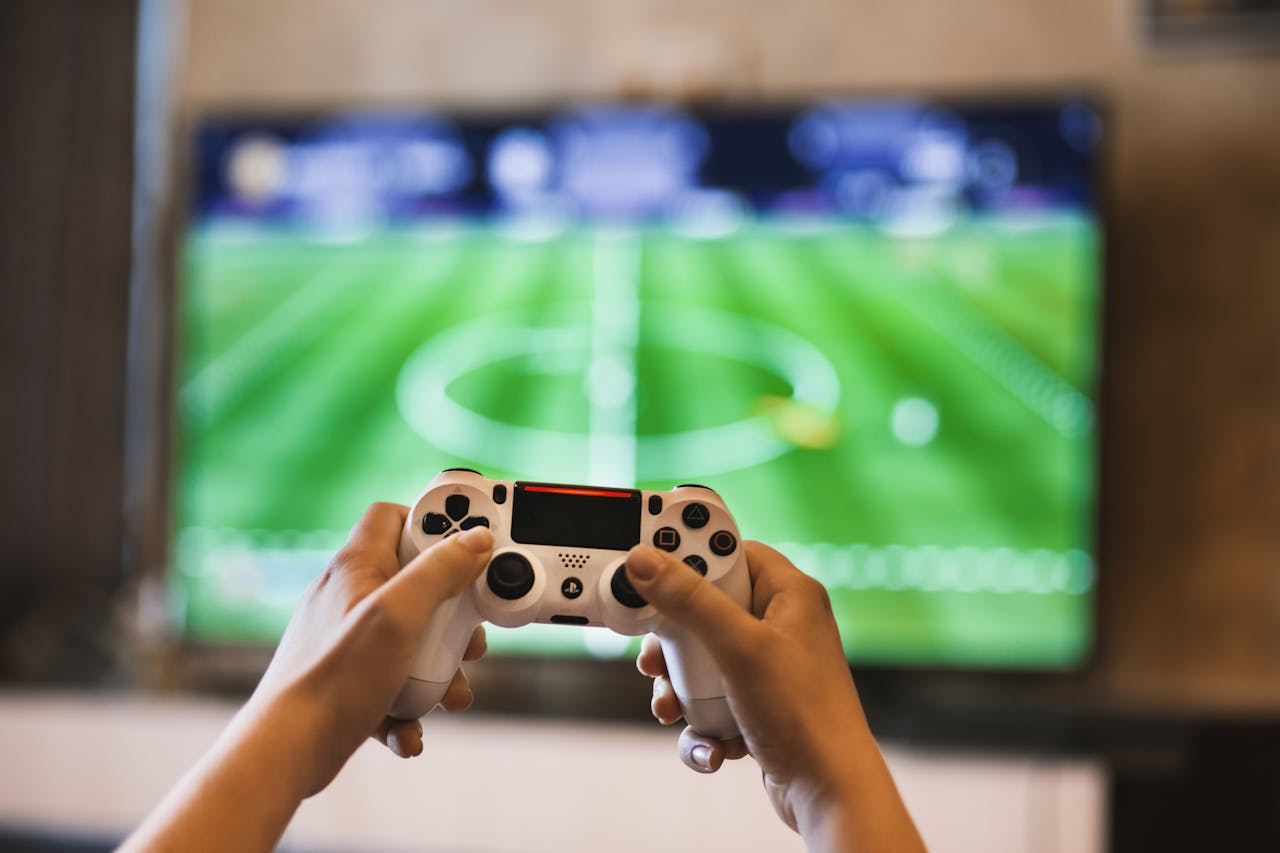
x: 909, y: 419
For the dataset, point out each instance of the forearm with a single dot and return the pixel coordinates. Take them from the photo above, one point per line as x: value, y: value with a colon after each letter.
x: 862, y: 811
x: 846, y: 828
x: 242, y: 793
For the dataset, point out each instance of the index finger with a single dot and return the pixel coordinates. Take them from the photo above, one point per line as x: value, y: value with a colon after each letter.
x: 379, y: 527
x: 773, y: 577
x: 373, y: 543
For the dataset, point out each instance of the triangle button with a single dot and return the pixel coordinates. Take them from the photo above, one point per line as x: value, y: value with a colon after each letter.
x: 696, y: 515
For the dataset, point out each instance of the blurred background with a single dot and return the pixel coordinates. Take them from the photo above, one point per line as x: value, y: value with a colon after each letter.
x: 971, y: 309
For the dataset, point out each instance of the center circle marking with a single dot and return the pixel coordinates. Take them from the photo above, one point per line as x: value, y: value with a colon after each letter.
x: 422, y: 391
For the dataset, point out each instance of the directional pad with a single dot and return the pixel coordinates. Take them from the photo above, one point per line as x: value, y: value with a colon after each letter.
x: 457, y: 506
x: 474, y: 521
x: 433, y: 524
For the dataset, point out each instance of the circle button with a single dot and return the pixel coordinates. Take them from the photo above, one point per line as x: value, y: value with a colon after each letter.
x: 510, y: 576
x: 723, y: 542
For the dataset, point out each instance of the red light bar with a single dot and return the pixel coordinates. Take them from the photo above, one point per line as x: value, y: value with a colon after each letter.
x: 586, y: 493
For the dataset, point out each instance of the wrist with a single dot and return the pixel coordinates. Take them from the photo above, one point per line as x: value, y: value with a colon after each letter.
x: 243, y: 792
x: 284, y: 736
x: 855, y: 805
x: 822, y: 806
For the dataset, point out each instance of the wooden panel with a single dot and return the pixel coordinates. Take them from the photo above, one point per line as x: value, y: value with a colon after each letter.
x: 66, y: 94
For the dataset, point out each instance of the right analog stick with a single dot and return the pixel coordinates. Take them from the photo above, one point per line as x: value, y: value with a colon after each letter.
x: 624, y: 591
x: 510, y: 576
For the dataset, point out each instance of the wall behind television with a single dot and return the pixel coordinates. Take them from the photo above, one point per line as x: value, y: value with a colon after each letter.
x: 1189, y: 610
x: 66, y: 168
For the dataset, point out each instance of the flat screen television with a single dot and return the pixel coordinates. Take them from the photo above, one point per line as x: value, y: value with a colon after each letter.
x: 871, y: 325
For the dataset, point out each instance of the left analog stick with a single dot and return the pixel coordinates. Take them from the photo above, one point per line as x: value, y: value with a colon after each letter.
x: 510, y: 576
x: 624, y: 591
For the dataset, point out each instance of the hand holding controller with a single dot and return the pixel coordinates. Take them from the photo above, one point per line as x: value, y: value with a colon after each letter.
x: 559, y: 555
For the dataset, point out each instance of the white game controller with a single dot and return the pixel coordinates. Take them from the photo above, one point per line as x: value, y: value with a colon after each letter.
x: 558, y: 557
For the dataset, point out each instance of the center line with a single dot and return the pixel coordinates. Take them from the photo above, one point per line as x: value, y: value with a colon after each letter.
x: 611, y: 367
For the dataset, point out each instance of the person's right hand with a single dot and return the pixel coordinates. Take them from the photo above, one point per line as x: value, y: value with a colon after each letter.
x: 791, y: 692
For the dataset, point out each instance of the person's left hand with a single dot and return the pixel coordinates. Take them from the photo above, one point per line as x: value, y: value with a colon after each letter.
x: 353, y: 637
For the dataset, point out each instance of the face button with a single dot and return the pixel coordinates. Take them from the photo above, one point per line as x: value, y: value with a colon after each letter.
x: 624, y: 591
x: 695, y: 515
x: 722, y: 543
x: 457, y: 506
x: 474, y: 521
x: 571, y: 588
x: 668, y: 539
x: 655, y: 504
x: 433, y: 524
x: 510, y: 576
x: 499, y: 494
x: 699, y: 565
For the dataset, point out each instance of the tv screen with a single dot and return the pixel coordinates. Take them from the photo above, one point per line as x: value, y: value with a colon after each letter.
x: 872, y: 326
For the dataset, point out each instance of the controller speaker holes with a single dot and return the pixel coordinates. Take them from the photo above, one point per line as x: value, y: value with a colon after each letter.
x: 574, y: 561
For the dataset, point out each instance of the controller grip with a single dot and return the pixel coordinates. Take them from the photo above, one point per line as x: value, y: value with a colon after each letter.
x: 698, y: 684
x: 438, y: 660
x: 710, y: 717
x: 696, y: 677
x: 416, y: 698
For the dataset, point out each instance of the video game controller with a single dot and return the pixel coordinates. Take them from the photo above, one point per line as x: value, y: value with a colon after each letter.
x: 558, y: 557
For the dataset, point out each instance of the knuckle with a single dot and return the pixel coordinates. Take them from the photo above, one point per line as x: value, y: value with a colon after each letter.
x: 449, y: 555
x: 380, y: 511
x: 684, y: 590
x: 340, y: 566
x: 348, y: 557
x: 816, y: 593
x: 824, y: 603
x: 318, y: 583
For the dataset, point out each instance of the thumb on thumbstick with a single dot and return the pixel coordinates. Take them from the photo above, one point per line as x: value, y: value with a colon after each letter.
x: 689, y: 600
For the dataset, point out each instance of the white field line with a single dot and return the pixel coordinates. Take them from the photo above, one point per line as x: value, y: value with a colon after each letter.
x: 612, y: 364
x: 996, y: 353
x: 220, y: 382
x: 239, y: 554
x: 930, y: 568
x: 1014, y: 367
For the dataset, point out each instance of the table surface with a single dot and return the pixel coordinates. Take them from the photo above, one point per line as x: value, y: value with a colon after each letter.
x: 93, y: 764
